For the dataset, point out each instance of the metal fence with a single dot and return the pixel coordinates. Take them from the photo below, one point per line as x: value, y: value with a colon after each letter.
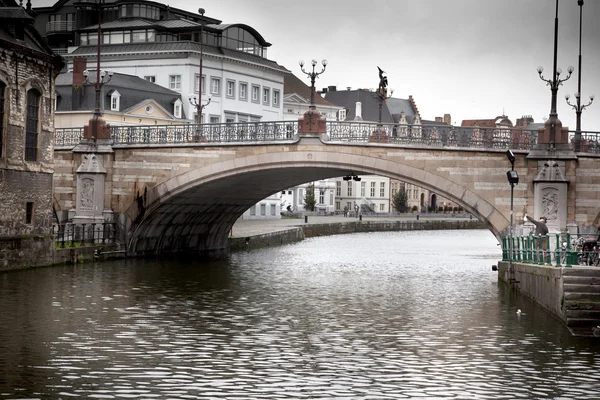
x: 435, y: 136
x: 76, y: 235
x: 559, y: 249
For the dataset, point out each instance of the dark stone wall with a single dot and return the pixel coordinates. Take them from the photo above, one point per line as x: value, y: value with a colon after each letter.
x: 23, y: 244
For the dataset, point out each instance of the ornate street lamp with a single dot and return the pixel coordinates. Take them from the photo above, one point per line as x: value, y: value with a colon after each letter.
x: 197, y: 102
x: 313, y: 75
x: 513, y: 179
x: 578, y: 107
x: 555, y: 82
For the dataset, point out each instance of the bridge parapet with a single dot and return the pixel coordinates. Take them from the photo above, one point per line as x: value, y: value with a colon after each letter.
x: 434, y: 136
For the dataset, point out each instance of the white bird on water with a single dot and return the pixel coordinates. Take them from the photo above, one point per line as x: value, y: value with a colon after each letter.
x: 519, y: 311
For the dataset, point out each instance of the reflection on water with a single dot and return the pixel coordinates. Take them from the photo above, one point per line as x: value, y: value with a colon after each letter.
x: 363, y: 316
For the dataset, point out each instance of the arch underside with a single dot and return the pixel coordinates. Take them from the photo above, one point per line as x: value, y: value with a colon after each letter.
x: 195, y: 211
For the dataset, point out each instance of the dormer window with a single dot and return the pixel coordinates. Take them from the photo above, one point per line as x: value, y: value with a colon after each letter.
x: 115, y: 101
x: 177, y: 108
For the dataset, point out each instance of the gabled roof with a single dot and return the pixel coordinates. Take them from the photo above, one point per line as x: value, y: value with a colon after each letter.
x: 481, y: 123
x: 399, y: 106
x: 293, y: 85
x: 133, y: 90
x: 369, y: 100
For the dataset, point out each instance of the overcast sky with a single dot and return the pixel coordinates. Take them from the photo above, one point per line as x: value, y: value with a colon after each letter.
x: 470, y: 58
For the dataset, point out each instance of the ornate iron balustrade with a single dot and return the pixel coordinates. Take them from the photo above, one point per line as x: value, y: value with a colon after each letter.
x: 435, y: 136
x: 67, y: 137
x: 239, y: 132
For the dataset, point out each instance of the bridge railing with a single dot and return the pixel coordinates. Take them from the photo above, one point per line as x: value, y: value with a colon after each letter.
x: 436, y: 136
x: 558, y: 249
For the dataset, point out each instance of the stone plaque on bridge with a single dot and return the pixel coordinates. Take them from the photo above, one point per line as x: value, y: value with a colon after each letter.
x: 91, y: 175
x: 550, y: 188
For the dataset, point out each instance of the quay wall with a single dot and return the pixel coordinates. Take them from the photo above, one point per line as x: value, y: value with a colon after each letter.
x: 543, y: 284
x: 297, y: 234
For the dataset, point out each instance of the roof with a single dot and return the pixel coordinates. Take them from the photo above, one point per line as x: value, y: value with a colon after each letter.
x: 370, y: 104
x: 292, y: 84
x: 13, y: 16
x: 399, y: 106
x: 133, y: 90
x: 487, y: 123
x: 165, y: 47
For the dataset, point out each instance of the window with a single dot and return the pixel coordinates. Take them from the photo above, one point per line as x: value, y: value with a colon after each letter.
x: 28, y: 212
x: 215, y: 119
x: 349, y: 188
x: 338, y: 188
x: 243, y: 91
x: 115, y: 101
x: 230, y: 88
x: 263, y: 209
x: 2, y: 90
x: 372, y: 189
x: 337, y: 205
x: 266, y: 95
x: 363, y: 187
x: 138, y: 36
x: 177, y: 108
x: 175, y: 82
x: 275, y: 98
x: 253, y: 210
x: 342, y: 115
x: 382, y: 207
x: 32, y: 124
x: 382, y: 189
x: 215, y: 86
x: 197, y: 84
x: 273, y: 209
x: 229, y: 118
x: 150, y: 78
x: 255, y: 93
x: 321, y: 196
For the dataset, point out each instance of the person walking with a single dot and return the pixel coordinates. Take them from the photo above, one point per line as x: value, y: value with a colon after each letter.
x: 541, y: 243
x: 345, y: 211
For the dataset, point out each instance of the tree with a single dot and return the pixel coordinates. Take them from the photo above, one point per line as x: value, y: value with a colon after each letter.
x: 400, y: 200
x: 309, y: 198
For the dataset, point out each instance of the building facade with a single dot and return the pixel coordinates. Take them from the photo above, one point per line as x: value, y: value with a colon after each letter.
x: 28, y: 69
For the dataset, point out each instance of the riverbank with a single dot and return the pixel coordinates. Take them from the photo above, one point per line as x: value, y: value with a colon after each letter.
x: 248, y: 234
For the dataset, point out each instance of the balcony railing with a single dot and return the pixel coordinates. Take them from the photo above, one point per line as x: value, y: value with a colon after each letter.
x: 435, y: 136
x: 60, y: 26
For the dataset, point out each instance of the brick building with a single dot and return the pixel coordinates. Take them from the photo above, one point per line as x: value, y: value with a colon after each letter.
x: 28, y: 69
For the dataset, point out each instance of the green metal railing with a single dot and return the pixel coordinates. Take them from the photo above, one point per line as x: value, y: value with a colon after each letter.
x: 558, y: 249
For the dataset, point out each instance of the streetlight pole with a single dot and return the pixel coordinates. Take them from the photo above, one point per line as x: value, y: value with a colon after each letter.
x: 198, y: 102
x: 578, y: 107
x: 100, y: 75
x: 513, y: 179
x: 313, y: 75
x: 555, y: 82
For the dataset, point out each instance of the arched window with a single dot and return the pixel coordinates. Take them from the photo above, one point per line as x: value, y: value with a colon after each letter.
x: 32, y: 125
x: 2, y: 116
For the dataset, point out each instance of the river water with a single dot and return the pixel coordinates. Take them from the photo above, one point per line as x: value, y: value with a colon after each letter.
x: 392, y: 315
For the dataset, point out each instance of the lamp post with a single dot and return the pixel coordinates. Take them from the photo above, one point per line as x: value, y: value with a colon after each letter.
x: 555, y: 82
x: 313, y: 75
x: 197, y: 102
x: 578, y: 107
x: 513, y: 179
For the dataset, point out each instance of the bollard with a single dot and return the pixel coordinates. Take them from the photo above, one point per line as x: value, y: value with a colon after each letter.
x: 360, y: 217
x: 306, y: 219
x: 417, y: 217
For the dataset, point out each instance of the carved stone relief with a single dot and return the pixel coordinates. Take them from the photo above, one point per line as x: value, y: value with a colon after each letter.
x: 87, y: 194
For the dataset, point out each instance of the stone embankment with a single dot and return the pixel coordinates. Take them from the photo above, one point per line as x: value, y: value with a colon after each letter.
x: 248, y: 234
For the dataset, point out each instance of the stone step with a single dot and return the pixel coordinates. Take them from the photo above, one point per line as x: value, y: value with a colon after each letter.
x: 594, y: 297
x: 582, y: 305
x: 582, y: 280
x: 584, y: 314
x: 576, y: 288
x: 582, y: 271
x: 584, y: 331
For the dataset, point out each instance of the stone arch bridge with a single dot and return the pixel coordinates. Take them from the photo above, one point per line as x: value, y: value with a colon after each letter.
x: 185, y: 195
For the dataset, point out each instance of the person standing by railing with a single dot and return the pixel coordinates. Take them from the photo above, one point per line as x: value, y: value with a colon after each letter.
x: 540, y: 229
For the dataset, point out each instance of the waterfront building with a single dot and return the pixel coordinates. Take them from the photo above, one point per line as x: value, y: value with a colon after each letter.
x: 28, y: 69
x: 163, y: 45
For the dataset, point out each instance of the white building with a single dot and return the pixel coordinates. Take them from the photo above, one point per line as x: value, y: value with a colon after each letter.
x: 371, y: 194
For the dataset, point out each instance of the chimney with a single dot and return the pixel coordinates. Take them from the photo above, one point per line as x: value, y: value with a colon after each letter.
x: 448, y: 119
x: 439, y: 119
x: 332, y: 88
x: 79, y: 65
x: 358, y: 115
x: 348, y: 88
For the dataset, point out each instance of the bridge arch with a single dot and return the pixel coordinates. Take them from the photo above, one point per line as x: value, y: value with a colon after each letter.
x: 195, y: 210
